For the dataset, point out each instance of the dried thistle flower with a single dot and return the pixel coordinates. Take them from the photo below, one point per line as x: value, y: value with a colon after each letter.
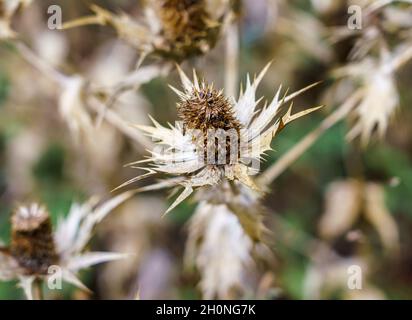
x: 187, y: 28
x: 226, y: 237
x: 379, y: 19
x: 346, y: 201
x: 376, y: 64
x: 173, y: 29
x: 219, y: 138
x: 32, y: 243
x: 220, y: 249
x: 34, y: 247
x: 8, y: 8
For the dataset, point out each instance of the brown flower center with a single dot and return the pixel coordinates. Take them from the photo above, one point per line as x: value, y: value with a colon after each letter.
x: 211, y: 113
x: 32, y: 243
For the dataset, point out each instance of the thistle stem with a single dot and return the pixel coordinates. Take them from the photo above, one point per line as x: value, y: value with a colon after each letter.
x: 298, y: 149
x: 27, y: 54
x: 118, y: 122
x: 38, y: 289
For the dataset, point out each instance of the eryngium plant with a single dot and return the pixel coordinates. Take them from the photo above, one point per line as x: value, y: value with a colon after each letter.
x: 35, y: 250
x: 218, y: 138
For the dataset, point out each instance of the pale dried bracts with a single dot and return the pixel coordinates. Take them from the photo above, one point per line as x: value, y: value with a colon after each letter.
x: 379, y: 100
x: 241, y: 201
x: 173, y: 29
x: 374, y: 62
x: 79, y: 97
x: 220, y: 249
x: 227, y: 237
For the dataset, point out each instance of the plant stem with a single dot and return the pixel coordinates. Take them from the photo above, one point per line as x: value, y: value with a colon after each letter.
x: 119, y: 123
x: 38, y: 289
x: 298, y: 149
x: 232, y: 58
x: 27, y: 54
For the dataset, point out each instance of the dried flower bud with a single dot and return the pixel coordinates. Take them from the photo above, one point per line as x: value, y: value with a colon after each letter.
x: 32, y: 242
x: 237, y: 132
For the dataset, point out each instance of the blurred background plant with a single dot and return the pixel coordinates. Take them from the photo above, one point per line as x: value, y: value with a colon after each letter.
x: 338, y: 184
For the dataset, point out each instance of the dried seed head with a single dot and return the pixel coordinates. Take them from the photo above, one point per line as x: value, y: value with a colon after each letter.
x: 32, y: 242
x: 209, y: 111
x: 207, y: 108
x: 187, y: 30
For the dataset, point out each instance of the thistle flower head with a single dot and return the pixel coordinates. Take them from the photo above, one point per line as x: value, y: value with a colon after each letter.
x: 30, y: 218
x: 187, y: 28
x: 219, y: 138
x: 380, y: 96
x: 32, y: 242
x: 172, y: 29
x: 34, y: 247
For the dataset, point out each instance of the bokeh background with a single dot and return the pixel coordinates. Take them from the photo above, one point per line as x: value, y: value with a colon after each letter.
x: 41, y: 161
